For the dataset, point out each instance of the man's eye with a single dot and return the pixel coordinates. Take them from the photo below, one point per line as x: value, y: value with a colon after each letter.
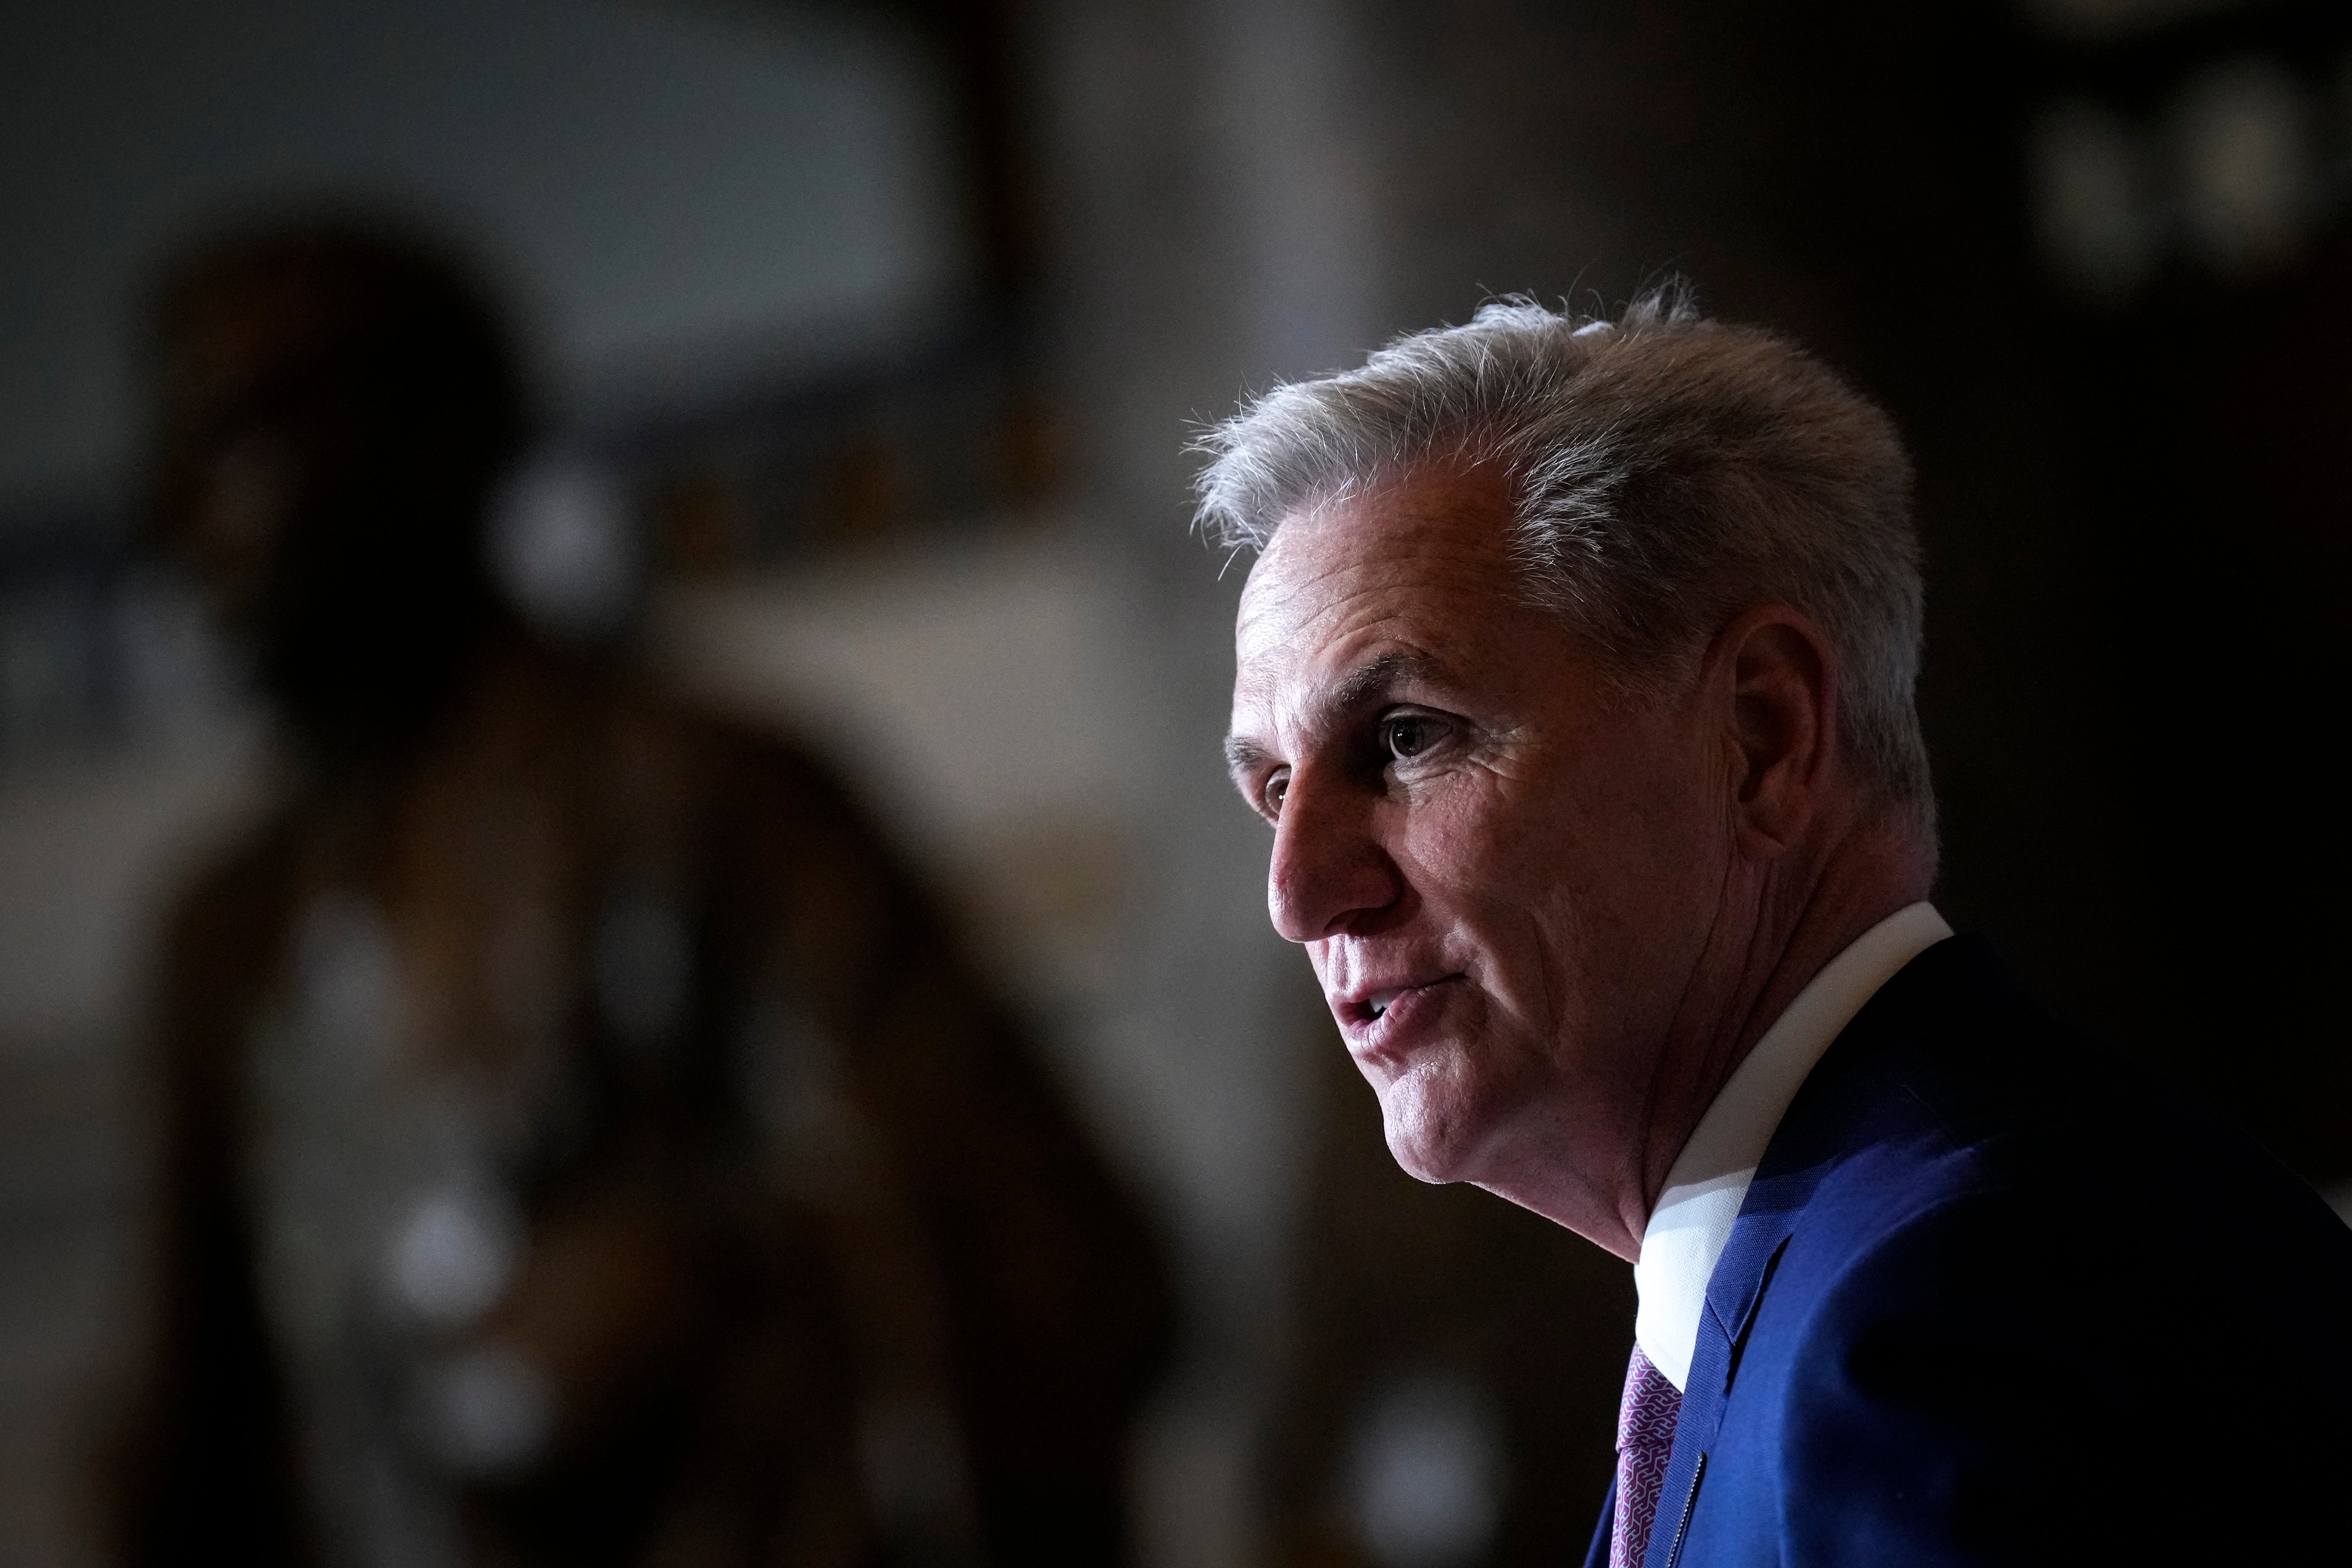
x: 1405, y: 738
x: 1277, y: 786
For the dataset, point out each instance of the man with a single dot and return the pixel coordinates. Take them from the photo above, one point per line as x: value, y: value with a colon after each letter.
x: 1575, y: 681
x: 584, y: 1144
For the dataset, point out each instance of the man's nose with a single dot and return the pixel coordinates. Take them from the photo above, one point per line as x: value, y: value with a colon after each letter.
x: 1329, y: 869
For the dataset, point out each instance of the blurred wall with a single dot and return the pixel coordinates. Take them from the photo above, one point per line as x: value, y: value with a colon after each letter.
x: 673, y: 190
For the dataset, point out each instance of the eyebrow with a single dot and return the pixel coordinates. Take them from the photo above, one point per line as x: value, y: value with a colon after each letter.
x: 1373, y: 677
x: 1242, y: 756
x: 1351, y: 691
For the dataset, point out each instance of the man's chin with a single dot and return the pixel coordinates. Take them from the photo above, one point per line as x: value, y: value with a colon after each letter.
x: 1428, y: 1146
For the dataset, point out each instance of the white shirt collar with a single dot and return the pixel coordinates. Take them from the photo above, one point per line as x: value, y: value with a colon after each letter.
x: 1692, y: 1222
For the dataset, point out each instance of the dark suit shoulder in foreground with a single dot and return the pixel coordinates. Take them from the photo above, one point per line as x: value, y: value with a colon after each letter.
x: 1997, y: 1296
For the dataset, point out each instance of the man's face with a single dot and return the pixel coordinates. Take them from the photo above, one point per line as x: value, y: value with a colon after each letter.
x: 1503, y: 868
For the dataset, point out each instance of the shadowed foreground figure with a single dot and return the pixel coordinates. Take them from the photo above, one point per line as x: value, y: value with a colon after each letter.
x: 1574, y: 682
x: 584, y: 1145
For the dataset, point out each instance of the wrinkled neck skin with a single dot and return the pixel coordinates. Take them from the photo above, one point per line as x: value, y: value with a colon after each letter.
x: 1777, y: 923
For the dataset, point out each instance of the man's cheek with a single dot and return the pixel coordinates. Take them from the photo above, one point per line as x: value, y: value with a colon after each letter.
x: 1471, y: 845
x: 1445, y: 834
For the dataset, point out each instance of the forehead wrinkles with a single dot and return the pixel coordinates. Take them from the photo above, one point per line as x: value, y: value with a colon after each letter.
x: 1292, y: 611
x: 1293, y: 650
x: 1422, y: 563
x: 1313, y: 617
x: 1321, y: 566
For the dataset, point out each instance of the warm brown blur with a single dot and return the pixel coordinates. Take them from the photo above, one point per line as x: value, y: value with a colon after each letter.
x: 582, y: 1141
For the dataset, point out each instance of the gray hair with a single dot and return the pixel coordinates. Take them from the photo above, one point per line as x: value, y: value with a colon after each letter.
x: 1666, y: 472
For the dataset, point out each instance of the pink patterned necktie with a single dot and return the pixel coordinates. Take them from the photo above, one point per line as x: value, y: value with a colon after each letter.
x: 1645, y: 1438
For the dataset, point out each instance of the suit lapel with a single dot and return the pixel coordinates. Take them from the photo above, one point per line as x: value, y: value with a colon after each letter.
x: 1768, y: 1218
x: 1810, y: 1138
x: 1733, y: 1293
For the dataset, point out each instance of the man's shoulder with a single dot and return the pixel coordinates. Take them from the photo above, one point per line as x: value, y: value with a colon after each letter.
x: 1954, y: 1084
x: 1962, y: 1146
x: 1996, y: 1289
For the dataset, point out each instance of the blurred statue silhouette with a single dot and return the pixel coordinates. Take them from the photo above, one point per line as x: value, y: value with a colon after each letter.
x: 582, y: 1144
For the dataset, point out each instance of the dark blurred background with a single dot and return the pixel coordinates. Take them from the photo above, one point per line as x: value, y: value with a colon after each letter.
x: 869, y: 336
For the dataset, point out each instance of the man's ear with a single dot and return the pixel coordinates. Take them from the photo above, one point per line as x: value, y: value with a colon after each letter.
x: 1782, y: 724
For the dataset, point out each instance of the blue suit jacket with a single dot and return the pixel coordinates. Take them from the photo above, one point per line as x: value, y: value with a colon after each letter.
x: 1997, y: 1296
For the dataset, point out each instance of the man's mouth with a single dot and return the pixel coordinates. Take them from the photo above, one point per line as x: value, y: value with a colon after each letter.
x: 1377, y: 1005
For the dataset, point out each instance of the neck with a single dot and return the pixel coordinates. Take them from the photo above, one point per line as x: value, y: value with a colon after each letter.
x: 1775, y: 928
